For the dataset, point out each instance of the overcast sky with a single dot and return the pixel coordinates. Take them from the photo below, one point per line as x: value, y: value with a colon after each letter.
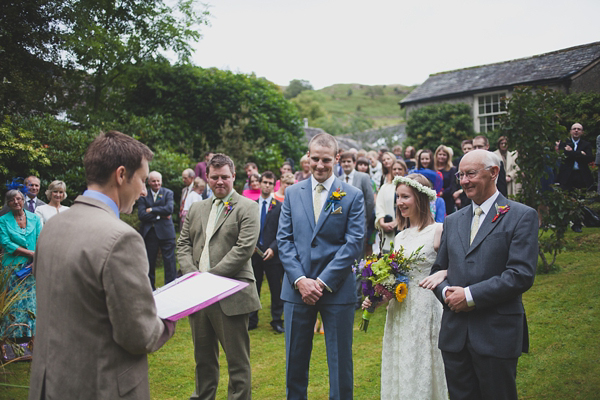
x: 385, y: 42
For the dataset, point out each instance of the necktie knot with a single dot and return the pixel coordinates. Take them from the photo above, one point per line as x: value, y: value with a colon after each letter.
x: 478, y: 211
x: 320, y: 188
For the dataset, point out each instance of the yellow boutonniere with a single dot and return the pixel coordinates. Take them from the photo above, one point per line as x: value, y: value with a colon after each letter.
x: 335, y: 198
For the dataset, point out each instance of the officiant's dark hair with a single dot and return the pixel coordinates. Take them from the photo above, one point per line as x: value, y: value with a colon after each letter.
x: 425, y: 217
x: 111, y: 150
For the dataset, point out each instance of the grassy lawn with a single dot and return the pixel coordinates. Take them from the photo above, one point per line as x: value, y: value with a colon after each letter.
x: 563, y: 311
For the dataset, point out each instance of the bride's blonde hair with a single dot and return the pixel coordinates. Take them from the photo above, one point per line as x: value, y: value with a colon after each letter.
x: 424, y: 215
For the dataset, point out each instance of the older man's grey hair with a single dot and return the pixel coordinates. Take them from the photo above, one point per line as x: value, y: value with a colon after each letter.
x: 189, y: 173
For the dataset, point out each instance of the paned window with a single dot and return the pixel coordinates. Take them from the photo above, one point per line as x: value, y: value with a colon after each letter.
x: 489, y: 108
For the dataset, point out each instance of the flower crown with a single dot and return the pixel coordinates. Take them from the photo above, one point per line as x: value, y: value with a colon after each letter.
x: 415, y: 185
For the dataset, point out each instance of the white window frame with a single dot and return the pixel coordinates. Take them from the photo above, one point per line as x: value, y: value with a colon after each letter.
x: 492, y: 113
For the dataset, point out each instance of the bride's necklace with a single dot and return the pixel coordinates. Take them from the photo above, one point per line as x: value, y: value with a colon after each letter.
x: 20, y: 217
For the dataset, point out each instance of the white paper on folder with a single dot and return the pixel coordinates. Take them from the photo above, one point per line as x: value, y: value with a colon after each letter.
x: 183, y: 294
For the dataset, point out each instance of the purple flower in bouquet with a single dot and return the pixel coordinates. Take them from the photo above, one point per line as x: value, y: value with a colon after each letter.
x: 367, y: 271
x: 394, y: 266
x: 367, y: 289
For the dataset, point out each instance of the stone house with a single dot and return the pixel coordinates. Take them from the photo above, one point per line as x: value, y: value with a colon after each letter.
x: 576, y: 69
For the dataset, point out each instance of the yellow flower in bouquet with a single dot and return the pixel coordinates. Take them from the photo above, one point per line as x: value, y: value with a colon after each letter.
x: 401, y: 292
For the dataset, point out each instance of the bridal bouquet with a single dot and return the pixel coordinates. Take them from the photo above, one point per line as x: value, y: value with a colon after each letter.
x: 384, y: 276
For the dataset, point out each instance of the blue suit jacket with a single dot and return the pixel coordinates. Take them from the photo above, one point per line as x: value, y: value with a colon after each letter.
x: 163, y: 208
x: 326, y: 251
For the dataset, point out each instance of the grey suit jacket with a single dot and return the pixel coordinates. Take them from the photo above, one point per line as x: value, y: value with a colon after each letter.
x: 362, y: 181
x: 498, y: 267
x: 96, y: 316
x: 231, y: 246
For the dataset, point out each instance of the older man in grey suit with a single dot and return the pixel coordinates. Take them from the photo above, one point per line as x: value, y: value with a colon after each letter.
x: 96, y: 316
x: 219, y: 236
x: 490, y: 252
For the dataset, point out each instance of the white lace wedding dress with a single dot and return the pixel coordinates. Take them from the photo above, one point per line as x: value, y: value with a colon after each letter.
x: 412, y: 366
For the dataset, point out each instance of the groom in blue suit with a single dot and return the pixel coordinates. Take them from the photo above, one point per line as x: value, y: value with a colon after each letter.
x: 321, y: 232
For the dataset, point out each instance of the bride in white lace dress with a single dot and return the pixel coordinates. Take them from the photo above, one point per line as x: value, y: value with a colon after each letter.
x: 412, y: 365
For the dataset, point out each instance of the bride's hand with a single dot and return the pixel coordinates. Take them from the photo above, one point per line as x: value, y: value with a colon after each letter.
x: 432, y: 281
x: 366, y: 304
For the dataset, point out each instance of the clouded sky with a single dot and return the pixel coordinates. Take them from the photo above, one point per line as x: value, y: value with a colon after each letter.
x: 385, y: 42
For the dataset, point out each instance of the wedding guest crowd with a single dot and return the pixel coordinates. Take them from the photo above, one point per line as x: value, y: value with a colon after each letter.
x: 383, y: 196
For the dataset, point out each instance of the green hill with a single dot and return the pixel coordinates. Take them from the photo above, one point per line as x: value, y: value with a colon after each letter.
x: 352, y: 107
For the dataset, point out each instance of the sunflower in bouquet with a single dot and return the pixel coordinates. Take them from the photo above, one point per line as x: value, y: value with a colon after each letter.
x: 384, y: 277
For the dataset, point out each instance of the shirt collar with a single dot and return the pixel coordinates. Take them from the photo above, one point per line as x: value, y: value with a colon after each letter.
x: 486, y: 205
x: 268, y: 199
x: 103, y: 198
x: 224, y: 199
x: 350, y: 175
x: 31, y: 199
x: 327, y: 184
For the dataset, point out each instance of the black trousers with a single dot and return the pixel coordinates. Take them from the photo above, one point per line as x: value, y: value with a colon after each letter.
x: 274, y: 273
x: 167, y: 248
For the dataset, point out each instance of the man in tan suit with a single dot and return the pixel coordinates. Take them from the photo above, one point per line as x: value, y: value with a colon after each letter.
x: 96, y: 316
x: 219, y: 236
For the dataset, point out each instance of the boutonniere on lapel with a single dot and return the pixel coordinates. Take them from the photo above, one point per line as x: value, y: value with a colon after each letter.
x: 160, y: 196
x: 273, y: 204
x: 500, y: 210
x: 334, y: 200
x: 228, y: 207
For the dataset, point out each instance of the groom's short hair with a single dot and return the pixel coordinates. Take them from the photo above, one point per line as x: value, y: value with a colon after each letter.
x: 325, y: 140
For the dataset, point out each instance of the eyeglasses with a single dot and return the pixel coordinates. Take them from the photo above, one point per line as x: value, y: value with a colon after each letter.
x: 470, y: 174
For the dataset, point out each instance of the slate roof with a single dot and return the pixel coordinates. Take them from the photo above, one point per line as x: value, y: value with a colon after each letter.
x: 543, y: 68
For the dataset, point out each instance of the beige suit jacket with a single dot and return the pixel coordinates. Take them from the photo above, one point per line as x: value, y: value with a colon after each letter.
x: 231, y: 247
x: 96, y: 316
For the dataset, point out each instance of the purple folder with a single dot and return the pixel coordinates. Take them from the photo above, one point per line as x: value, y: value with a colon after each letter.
x: 193, y: 292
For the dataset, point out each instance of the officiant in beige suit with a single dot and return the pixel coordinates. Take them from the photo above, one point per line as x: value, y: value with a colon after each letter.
x: 218, y: 236
x: 96, y: 318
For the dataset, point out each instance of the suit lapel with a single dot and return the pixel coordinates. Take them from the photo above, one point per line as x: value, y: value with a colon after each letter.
x: 307, y: 201
x: 487, y: 227
x: 225, y: 213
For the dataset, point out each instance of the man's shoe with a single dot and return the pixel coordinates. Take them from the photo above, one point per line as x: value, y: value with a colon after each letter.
x: 577, y: 229
x: 278, y: 328
x: 251, y: 327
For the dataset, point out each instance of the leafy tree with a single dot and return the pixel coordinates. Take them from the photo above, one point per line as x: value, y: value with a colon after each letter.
x: 532, y: 126
x: 20, y: 153
x: 296, y: 87
x: 447, y: 124
x: 198, y: 101
x: 80, y: 47
x: 107, y: 37
x: 30, y: 58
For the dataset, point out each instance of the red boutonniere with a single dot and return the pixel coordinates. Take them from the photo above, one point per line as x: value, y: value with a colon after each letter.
x: 500, y: 210
x: 228, y: 207
x: 273, y: 204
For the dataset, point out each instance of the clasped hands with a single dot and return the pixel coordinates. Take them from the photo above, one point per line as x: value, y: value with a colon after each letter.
x: 456, y: 300
x: 569, y: 148
x: 311, y: 290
